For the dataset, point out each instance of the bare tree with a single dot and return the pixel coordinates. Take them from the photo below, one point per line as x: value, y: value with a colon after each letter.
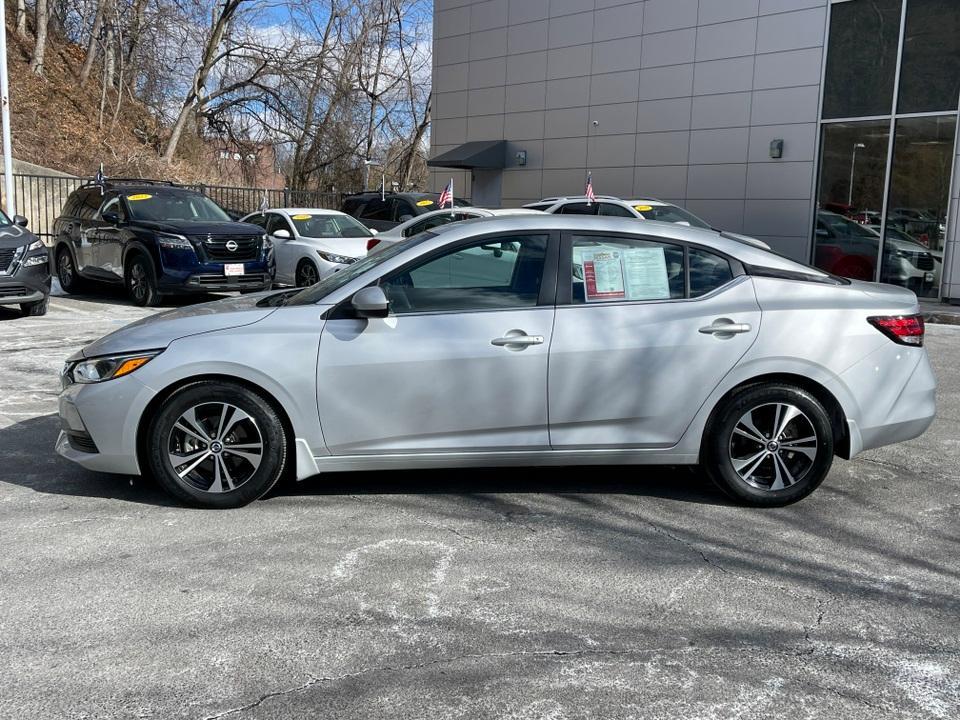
x: 41, y: 25
x: 93, y: 45
x: 21, y: 18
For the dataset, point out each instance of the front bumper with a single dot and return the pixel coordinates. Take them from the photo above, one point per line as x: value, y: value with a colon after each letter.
x: 99, y: 424
x: 25, y: 285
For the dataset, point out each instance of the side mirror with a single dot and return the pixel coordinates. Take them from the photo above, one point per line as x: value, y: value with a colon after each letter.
x: 20, y: 220
x: 404, y: 218
x: 821, y: 233
x: 373, y: 231
x: 281, y: 234
x: 371, y: 302
x: 111, y: 218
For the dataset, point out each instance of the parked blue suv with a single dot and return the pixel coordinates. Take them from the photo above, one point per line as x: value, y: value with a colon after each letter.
x: 157, y: 239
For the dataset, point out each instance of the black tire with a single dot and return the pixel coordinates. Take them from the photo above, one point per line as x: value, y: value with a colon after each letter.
x: 35, y: 309
x: 141, y: 281
x: 164, y: 437
x: 307, y: 274
x: 767, y: 468
x: 66, y: 271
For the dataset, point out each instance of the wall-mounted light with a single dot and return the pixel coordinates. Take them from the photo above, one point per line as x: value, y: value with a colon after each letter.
x: 776, y: 148
x: 522, y: 157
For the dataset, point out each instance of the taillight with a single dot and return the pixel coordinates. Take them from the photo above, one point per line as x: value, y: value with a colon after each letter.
x: 372, y: 243
x: 902, y: 329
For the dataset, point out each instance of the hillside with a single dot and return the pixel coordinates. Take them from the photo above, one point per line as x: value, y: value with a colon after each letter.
x: 55, y: 123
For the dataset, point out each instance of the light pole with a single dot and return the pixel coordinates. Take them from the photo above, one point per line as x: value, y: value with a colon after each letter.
x: 853, y: 166
x: 5, y: 117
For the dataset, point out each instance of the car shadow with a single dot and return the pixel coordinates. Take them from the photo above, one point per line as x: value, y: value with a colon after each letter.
x: 30, y: 461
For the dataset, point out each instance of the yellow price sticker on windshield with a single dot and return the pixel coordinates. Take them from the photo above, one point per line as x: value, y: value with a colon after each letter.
x: 139, y: 196
x: 643, y: 208
x: 424, y: 203
x: 301, y: 217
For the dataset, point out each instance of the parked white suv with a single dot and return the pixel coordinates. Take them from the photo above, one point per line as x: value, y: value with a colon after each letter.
x: 643, y: 208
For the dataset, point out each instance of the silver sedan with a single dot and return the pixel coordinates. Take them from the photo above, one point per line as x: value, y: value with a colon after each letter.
x: 540, y: 340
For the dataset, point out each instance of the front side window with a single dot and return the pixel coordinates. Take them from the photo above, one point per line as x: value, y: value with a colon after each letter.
x: 494, y: 274
x: 277, y: 222
x: 670, y: 214
x: 402, y: 210
x: 259, y: 220
x: 617, y: 269
x: 375, y: 209
x: 580, y: 208
x: 613, y: 210
x: 113, y: 205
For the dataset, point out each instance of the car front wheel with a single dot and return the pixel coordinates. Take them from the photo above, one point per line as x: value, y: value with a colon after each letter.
x: 769, y: 445
x: 307, y: 274
x: 34, y: 309
x: 217, y: 445
x: 140, y: 282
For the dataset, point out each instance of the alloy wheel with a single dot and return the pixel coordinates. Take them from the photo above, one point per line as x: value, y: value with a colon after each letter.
x: 65, y: 269
x: 138, y: 281
x: 773, y: 446
x: 215, y: 447
x: 308, y: 275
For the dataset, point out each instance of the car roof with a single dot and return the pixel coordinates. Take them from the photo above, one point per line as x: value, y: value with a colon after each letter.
x: 744, y: 252
x: 306, y: 211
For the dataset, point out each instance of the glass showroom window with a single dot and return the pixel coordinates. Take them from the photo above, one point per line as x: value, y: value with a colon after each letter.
x: 888, y: 139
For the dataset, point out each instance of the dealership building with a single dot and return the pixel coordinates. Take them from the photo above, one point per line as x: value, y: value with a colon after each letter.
x: 827, y: 129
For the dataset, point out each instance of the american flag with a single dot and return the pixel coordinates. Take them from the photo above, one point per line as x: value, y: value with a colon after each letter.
x: 589, y: 191
x: 447, y: 195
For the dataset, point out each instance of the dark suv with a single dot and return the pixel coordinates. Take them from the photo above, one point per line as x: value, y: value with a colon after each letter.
x: 385, y: 212
x: 157, y: 238
x: 24, y: 268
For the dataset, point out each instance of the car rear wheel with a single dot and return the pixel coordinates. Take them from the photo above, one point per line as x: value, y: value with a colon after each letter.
x: 769, y: 445
x: 216, y: 445
x: 140, y: 282
x: 70, y: 282
x: 307, y: 274
x: 34, y: 309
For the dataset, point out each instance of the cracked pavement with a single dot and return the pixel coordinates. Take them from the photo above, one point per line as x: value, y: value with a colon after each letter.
x: 600, y: 592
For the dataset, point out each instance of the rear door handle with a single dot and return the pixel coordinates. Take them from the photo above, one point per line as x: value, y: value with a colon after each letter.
x: 517, y: 338
x: 724, y: 326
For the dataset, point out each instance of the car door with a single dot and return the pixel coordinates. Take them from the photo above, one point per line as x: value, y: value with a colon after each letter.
x: 106, y: 237
x: 460, y: 364
x: 644, y: 331
x: 87, y: 203
x: 285, y: 251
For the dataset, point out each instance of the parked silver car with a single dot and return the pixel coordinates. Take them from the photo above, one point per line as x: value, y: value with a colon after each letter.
x: 541, y: 340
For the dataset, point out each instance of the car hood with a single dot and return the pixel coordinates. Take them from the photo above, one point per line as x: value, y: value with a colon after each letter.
x: 158, y: 331
x: 352, y: 247
x: 13, y: 236
x: 202, y: 227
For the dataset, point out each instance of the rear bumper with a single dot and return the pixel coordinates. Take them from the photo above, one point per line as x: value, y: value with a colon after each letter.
x: 896, y: 390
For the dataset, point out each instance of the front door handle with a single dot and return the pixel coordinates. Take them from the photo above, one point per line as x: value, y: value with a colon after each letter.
x: 517, y: 339
x: 725, y: 326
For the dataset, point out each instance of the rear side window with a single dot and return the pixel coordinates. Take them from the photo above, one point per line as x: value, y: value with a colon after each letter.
x: 615, y: 269
x: 613, y: 210
x: 708, y: 271
x: 375, y: 209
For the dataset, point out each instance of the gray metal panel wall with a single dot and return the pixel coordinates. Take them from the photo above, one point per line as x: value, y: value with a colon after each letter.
x: 677, y: 99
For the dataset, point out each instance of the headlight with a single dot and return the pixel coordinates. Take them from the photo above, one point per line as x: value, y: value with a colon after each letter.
x: 334, y: 258
x: 35, y: 260
x: 174, y: 242
x: 99, y: 369
x: 36, y: 245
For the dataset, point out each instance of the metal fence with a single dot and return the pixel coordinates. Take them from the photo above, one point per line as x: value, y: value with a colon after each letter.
x: 40, y: 198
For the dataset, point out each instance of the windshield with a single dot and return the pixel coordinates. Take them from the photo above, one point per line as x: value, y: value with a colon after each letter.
x: 338, y: 279
x: 329, y: 226
x: 669, y: 213
x: 165, y: 206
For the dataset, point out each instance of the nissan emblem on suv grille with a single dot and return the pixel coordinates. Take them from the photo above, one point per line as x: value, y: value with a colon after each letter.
x: 232, y: 245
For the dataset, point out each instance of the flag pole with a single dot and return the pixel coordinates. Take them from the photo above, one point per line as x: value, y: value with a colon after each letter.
x: 5, y: 113
x: 451, y: 197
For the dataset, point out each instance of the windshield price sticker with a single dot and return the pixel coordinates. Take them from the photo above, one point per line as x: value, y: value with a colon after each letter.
x: 301, y: 217
x: 139, y: 196
x: 643, y: 208
x: 628, y: 274
x: 424, y: 203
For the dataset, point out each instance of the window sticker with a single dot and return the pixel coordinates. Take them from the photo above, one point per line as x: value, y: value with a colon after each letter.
x: 622, y: 274
x: 139, y: 196
x: 603, y: 275
x: 643, y: 208
x: 302, y: 216
x: 425, y: 203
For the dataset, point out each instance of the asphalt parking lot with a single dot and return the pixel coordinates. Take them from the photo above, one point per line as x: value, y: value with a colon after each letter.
x: 610, y: 592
